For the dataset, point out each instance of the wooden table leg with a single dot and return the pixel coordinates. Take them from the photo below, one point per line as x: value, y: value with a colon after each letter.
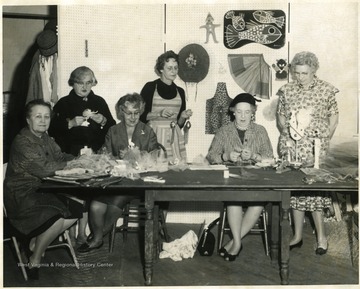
x: 285, y: 238
x: 149, y: 237
x: 274, y: 243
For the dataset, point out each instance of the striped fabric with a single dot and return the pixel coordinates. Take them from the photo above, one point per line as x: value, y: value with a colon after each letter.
x: 171, y: 139
x: 227, y: 140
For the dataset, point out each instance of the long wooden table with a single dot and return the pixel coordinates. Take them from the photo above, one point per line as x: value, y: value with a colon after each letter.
x: 255, y: 185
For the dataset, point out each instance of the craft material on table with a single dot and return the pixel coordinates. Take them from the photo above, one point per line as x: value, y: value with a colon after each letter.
x: 207, y: 167
x: 153, y: 179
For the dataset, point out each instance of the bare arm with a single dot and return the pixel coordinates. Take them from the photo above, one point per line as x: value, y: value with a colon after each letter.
x: 282, y: 123
x: 333, y: 122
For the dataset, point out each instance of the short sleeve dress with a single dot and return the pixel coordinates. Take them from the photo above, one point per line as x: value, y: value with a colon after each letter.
x: 308, y: 111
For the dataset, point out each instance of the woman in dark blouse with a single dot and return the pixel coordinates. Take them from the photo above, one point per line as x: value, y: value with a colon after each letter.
x: 165, y: 109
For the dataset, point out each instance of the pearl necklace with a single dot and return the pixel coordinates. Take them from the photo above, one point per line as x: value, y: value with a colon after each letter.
x: 240, y: 128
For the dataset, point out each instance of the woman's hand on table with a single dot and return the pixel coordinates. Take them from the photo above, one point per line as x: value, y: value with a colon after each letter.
x: 246, y: 154
x: 234, y: 156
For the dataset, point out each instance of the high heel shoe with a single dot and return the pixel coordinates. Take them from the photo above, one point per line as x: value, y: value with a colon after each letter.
x: 320, y: 250
x: 223, y: 252
x: 297, y: 245
x: 231, y: 258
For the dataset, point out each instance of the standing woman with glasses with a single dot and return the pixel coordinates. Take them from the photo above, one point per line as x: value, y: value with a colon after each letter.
x: 165, y: 109
x: 81, y: 119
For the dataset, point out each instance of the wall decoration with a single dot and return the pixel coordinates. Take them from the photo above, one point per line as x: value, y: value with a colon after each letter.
x: 194, y: 64
x: 254, y: 26
x: 251, y: 73
x: 281, y: 67
x: 216, y: 109
x: 210, y: 28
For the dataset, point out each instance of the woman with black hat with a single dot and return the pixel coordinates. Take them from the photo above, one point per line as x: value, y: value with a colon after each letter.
x: 242, y: 141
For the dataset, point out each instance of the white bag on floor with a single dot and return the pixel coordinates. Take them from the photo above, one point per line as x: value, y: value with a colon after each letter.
x: 182, y: 248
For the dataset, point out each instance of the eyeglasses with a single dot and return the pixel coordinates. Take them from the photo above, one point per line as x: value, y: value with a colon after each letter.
x: 133, y: 114
x: 88, y: 83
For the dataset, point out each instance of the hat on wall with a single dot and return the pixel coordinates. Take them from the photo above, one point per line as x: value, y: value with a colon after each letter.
x: 193, y: 64
x: 47, y: 42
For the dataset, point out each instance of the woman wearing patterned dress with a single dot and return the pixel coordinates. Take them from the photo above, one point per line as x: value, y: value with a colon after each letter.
x: 165, y: 109
x: 307, y: 111
x: 241, y: 141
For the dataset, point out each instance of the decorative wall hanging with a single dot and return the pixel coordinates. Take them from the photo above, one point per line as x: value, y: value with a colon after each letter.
x: 254, y: 26
x: 281, y: 67
x: 210, y: 28
x: 193, y: 64
x: 251, y: 73
x: 216, y: 109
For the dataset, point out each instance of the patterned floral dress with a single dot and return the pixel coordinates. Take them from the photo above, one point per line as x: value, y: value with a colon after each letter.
x: 310, y: 110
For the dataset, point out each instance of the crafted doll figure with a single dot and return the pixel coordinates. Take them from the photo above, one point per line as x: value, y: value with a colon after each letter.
x: 210, y: 28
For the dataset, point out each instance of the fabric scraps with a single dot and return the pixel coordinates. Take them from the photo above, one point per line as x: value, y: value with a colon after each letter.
x: 183, y: 248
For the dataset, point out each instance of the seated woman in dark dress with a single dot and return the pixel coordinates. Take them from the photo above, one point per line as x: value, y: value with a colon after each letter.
x: 39, y: 216
x: 106, y: 209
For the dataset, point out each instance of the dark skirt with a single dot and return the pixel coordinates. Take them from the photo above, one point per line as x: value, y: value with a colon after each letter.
x: 45, y: 210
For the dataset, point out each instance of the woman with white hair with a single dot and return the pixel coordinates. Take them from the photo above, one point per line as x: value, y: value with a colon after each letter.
x: 307, y: 110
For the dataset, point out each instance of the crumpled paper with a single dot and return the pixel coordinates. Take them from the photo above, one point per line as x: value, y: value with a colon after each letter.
x: 182, y: 248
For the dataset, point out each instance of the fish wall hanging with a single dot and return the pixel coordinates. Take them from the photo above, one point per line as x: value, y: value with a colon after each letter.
x: 210, y: 28
x: 264, y: 27
x: 194, y: 64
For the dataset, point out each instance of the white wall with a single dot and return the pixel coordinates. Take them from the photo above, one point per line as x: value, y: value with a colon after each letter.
x: 187, y: 31
x: 125, y: 40
x: 123, y: 43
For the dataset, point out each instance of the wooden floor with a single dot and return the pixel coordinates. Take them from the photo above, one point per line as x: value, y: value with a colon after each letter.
x: 124, y: 266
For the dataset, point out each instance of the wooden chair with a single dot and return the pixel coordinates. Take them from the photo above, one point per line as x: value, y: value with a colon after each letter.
x: 11, y: 234
x: 134, y: 216
x: 260, y: 227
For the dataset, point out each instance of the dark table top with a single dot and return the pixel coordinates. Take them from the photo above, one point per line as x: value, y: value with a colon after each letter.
x: 262, y: 179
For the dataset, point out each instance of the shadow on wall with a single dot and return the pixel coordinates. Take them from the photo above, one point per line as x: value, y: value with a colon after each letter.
x: 13, y: 116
